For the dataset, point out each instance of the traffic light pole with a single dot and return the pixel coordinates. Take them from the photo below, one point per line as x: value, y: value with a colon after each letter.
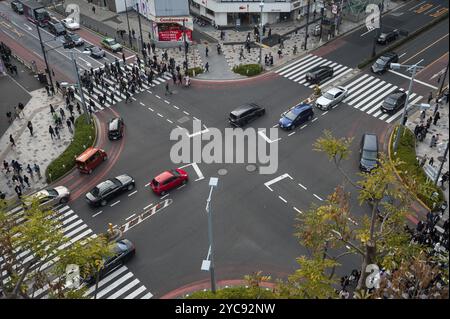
x: 80, y: 88
x: 44, y: 54
x: 140, y: 26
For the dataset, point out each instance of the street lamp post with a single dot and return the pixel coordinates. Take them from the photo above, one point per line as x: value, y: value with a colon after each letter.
x: 140, y: 26
x: 128, y: 22
x: 261, y: 6
x: 307, y: 24
x: 414, y: 69
x: 443, y: 81
x: 209, y: 264
x: 44, y: 53
x: 374, y: 48
x: 185, y: 45
x: 441, y: 166
x: 80, y: 88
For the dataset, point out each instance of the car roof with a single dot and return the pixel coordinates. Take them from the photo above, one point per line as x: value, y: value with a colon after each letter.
x: 163, y: 176
x: 334, y: 90
x: 87, y: 154
x: 301, y: 107
x: 320, y: 67
x: 397, y: 93
x: 370, y: 141
x: 244, y: 108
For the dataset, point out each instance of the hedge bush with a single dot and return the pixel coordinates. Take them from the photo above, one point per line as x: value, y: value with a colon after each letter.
x: 198, y: 70
x: 406, y: 152
x: 248, y: 69
x: 235, y: 293
x: 83, y: 138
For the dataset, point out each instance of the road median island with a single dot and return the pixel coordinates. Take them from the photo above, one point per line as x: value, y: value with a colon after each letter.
x: 409, y: 37
x: 410, y: 172
x: 195, y: 71
x: 248, y: 69
x: 84, y: 137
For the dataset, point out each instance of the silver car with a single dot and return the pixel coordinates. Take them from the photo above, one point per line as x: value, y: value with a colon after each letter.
x: 52, y: 196
x: 331, y: 98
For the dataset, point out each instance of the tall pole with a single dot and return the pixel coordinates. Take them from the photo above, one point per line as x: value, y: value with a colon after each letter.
x: 185, y: 46
x: 211, y: 243
x: 377, y: 34
x: 441, y: 166
x: 307, y: 23
x: 44, y: 53
x: 443, y: 81
x: 260, y: 33
x: 405, y: 109
x: 128, y: 22
x: 80, y: 88
x: 140, y: 26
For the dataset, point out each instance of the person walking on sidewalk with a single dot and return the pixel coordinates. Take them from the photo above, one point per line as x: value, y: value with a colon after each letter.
x: 430, y: 97
x: 47, y: 88
x: 433, y: 141
x: 206, y: 51
x: 123, y: 58
x: 30, y: 127
x: 37, y: 170
x: 51, y: 131
x: 18, y: 191
x: 57, y: 132
x: 207, y: 67
x: 69, y: 125
x: 444, y: 179
x: 437, y: 116
x: 93, y: 10
x: 26, y: 180
x: 52, y: 110
x: 431, y: 161
x: 167, y: 89
x: 12, y: 141
x: 423, y: 161
x: 30, y: 171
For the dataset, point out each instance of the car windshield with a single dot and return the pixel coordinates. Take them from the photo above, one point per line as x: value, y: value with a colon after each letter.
x: 369, y: 155
x: 290, y: 115
x: 391, y: 100
x: 174, y: 172
x: 52, y: 193
x: 120, y: 247
x: 95, y: 191
x: 74, y: 36
x: 155, y: 182
x: 328, y: 96
x: 381, y: 61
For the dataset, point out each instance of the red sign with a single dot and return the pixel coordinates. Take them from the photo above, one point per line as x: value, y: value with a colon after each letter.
x: 174, y: 35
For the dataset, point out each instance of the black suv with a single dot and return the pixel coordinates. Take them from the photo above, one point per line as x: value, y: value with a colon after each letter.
x: 17, y: 7
x: 56, y: 27
x: 383, y: 63
x: 318, y: 74
x: 245, y: 114
x: 394, y: 101
x: 368, y: 152
x: 115, y: 128
x: 387, y: 37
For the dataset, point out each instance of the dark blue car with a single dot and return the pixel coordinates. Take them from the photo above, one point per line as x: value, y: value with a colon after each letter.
x: 296, y: 116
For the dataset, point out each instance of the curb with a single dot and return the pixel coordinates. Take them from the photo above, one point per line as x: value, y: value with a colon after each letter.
x: 398, y: 175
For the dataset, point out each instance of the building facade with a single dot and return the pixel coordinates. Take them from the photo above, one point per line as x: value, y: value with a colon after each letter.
x: 223, y: 13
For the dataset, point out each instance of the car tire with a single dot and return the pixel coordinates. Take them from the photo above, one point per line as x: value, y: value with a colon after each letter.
x: 310, y: 117
x: 105, y: 158
x: 184, y: 181
x: 90, y: 171
x: 63, y: 200
x: 162, y: 193
x: 293, y: 126
x: 103, y: 202
x: 130, y: 187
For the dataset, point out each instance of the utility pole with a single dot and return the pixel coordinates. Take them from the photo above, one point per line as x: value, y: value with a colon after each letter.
x: 261, y: 5
x: 140, y: 26
x: 374, y: 48
x: 185, y: 45
x: 80, y: 88
x: 44, y: 53
x: 307, y: 23
x: 128, y: 22
x: 441, y: 166
x: 443, y: 81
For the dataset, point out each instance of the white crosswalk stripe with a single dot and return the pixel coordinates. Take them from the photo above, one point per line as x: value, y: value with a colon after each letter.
x: 118, y: 284
x: 367, y: 93
x: 296, y: 71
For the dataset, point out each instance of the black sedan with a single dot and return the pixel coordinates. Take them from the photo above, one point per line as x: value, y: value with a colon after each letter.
x: 108, y: 189
x: 395, y: 101
x: 122, y: 251
x: 96, y: 52
x: 383, y: 63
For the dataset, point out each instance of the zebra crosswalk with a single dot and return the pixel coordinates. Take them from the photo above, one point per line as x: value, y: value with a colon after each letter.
x: 296, y: 71
x: 119, y: 284
x: 367, y: 94
x: 112, y: 87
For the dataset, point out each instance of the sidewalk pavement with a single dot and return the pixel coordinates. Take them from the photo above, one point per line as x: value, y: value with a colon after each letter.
x: 108, y: 22
x: 39, y: 148
x: 441, y: 129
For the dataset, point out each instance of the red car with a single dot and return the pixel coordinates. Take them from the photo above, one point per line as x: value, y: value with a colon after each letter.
x: 168, y: 180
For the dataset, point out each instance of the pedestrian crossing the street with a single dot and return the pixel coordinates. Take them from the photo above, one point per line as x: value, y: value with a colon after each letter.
x: 367, y: 94
x: 112, y: 87
x: 119, y: 284
x: 296, y: 71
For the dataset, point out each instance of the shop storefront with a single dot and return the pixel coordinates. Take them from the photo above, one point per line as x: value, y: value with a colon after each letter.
x: 171, y: 29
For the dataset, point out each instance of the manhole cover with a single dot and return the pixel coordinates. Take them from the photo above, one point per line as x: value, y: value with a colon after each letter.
x: 222, y: 171
x: 250, y: 168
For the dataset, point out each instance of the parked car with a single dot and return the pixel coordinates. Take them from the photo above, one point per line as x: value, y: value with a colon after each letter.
x: 77, y: 40
x: 168, y: 180
x: 123, y: 250
x: 245, y: 114
x: 52, y: 196
x: 96, y: 52
x: 387, y: 37
x: 393, y: 102
x: 319, y: 73
x: 56, y: 27
x: 383, y: 63
x: 332, y: 97
x: 368, y: 152
x: 115, y: 128
x: 296, y: 116
x: 109, y: 189
x: 17, y: 7
x: 111, y: 44
x: 70, y: 24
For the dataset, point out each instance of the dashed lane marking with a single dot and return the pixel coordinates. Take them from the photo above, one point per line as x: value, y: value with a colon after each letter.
x: 324, y: 113
x: 164, y: 196
x: 151, y: 109
x: 314, y: 119
x: 169, y: 121
x: 318, y: 197
x: 176, y: 107
x: 160, y: 115
x: 186, y: 113
x: 114, y: 204
x: 146, y: 185
x: 158, y: 96
x: 166, y: 101
x: 304, y: 187
x: 98, y: 213
x: 303, y: 126
x: 141, y: 103
x: 181, y: 186
x: 131, y: 194
x: 290, y: 134
x: 298, y: 210
x: 148, y: 206
x: 129, y: 217
x: 282, y: 199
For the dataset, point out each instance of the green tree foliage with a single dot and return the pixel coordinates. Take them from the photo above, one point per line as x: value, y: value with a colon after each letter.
x: 39, y: 234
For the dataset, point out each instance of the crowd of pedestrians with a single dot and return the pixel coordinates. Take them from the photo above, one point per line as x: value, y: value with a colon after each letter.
x: 17, y: 178
x: 5, y: 55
